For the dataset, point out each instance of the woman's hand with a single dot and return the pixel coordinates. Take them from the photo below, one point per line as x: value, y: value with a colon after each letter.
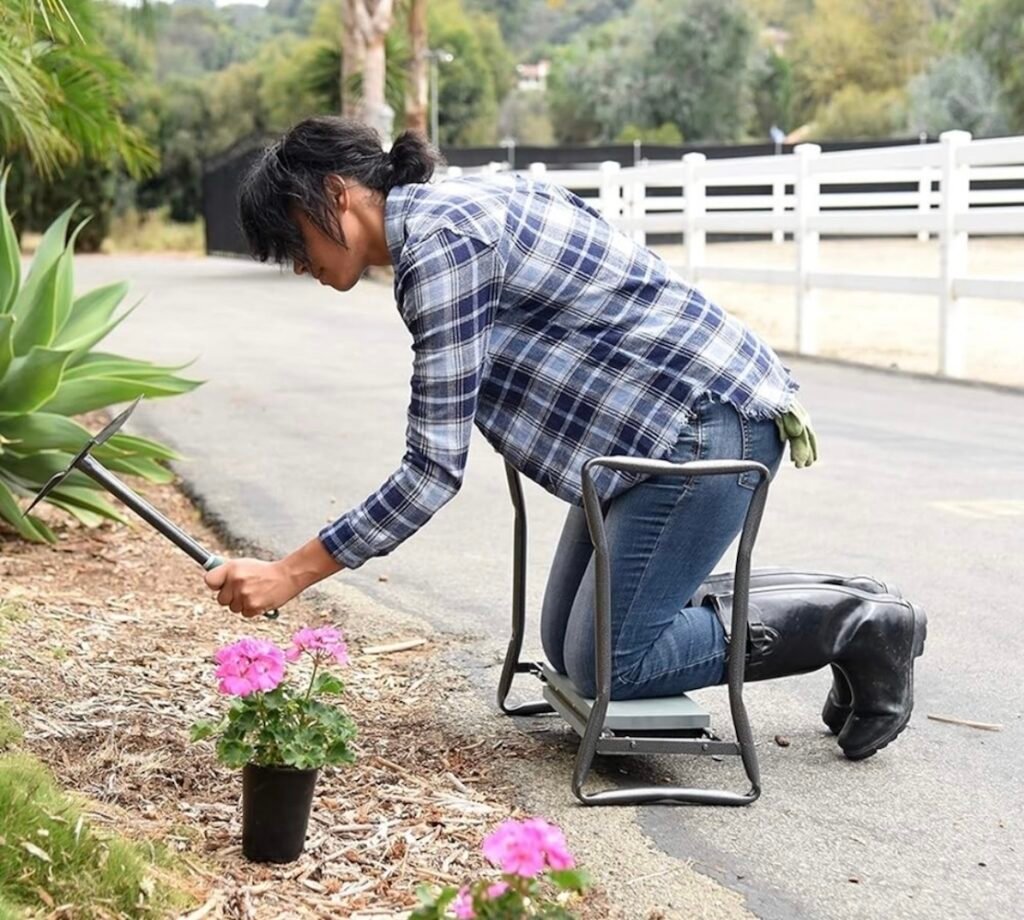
x: 251, y: 587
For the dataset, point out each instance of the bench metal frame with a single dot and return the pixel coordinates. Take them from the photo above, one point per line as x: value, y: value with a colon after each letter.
x: 596, y: 738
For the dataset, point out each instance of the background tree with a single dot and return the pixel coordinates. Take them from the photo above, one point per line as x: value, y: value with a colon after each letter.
x: 418, y: 86
x: 994, y: 31
x: 957, y: 91
x: 686, y: 63
x: 480, y: 75
x: 61, y: 91
x: 852, y: 60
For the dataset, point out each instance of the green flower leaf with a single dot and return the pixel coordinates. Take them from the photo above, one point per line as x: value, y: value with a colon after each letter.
x: 327, y: 683
x: 234, y: 753
x: 569, y: 879
x: 202, y: 730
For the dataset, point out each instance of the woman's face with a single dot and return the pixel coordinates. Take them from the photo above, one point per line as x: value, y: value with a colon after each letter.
x: 329, y: 262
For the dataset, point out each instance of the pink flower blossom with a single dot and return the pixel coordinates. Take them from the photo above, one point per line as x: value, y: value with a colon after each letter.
x: 527, y: 847
x: 497, y: 890
x: 463, y: 905
x: 249, y: 665
x: 324, y: 640
x: 552, y: 841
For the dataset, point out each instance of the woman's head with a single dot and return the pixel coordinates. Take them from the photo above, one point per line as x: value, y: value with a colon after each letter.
x: 315, y: 198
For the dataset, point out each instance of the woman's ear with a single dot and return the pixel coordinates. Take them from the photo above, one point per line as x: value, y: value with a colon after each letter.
x: 338, y: 191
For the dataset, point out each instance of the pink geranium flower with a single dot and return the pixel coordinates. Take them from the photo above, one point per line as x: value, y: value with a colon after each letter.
x: 463, y: 905
x: 497, y: 890
x: 249, y: 665
x: 528, y: 847
x: 324, y: 640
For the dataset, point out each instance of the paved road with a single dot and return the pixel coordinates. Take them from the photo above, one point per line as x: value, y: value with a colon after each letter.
x: 922, y: 483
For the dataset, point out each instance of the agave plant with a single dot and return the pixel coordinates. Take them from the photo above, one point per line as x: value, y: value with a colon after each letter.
x: 49, y: 371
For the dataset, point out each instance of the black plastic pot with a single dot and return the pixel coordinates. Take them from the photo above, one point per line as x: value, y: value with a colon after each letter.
x: 275, y: 811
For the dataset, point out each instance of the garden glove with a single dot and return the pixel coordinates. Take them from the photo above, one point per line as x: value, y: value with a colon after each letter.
x: 795, y: 427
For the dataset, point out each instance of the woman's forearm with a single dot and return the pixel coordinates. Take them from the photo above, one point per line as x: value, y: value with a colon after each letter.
x: 309, y: 564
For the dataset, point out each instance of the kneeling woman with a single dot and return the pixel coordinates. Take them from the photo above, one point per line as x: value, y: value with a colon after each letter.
x: 562, y: 339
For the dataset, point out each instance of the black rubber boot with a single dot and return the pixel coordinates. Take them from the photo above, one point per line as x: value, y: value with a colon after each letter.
x: 873, y: 638
x: 839, y: 701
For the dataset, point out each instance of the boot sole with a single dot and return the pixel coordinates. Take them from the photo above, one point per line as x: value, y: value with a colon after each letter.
x: 920, y: 634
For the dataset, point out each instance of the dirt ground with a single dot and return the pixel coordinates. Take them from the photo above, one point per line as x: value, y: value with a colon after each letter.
x: 105, y: 659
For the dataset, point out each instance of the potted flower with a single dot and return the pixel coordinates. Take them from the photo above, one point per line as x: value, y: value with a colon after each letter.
x: 538, y: 878
x: 280, y: 733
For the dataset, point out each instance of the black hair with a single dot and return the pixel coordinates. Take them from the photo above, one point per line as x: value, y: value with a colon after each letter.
x: 291, y: 175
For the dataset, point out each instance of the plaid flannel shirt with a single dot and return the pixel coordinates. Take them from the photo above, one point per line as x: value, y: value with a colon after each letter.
x: 560, y: 337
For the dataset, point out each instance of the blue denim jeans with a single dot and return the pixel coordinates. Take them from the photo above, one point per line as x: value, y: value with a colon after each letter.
x: 665, y: 535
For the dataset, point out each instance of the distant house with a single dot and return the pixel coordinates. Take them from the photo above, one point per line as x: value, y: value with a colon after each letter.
x: 534, y: 76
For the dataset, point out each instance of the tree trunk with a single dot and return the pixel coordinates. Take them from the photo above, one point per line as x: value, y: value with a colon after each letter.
x: 366, y: 24
x: 353, y: 52
x: 418, y: 87
x: 373, y: 74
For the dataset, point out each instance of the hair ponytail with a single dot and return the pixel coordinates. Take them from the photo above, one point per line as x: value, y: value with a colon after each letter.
x: 412, y: 159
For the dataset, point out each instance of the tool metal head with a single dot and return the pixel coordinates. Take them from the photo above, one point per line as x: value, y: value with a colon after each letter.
x: 103, y: 436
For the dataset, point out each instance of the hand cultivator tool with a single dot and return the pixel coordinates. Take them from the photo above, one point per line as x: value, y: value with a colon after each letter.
x: 668, y: 725
x: 95, y: 470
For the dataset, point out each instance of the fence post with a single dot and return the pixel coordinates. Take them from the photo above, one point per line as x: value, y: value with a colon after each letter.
x: 636, y: 205
x: 778, y: 207
x: 610, y: 197
x: 956, y: 182
x: 695, y: 234
x: 924, y: 199
x: 806, y: 187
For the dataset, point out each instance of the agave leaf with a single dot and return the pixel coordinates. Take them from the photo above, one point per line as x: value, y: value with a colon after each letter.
x: 92, y: 500
x: 87, y: 517
x: 6, y: 343
x: 31, y: 381
x: 84, y: 343
x: 50, y: 248
x: 31, y: 528
x: 140, y: 447
x: 10, y: 255
x: 43, y: 431
x: 140, y: 466
x: 90, y: 312
x: 48, y: 309
x: 33, y: 470
x: 77, y: 396
x: 103, y: 365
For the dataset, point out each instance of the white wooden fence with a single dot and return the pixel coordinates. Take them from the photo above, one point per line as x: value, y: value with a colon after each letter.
x: 939, y: 203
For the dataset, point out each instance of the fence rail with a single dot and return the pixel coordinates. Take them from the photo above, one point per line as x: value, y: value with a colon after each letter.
x: 950, y: 190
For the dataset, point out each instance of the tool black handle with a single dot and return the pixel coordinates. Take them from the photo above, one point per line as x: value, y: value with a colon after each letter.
x: 216, y: 561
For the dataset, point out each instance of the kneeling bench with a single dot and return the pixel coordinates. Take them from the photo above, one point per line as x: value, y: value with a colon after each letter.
x: 665, y: 725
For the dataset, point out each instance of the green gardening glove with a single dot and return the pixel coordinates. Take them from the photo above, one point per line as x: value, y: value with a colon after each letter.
x: 795, y: 427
